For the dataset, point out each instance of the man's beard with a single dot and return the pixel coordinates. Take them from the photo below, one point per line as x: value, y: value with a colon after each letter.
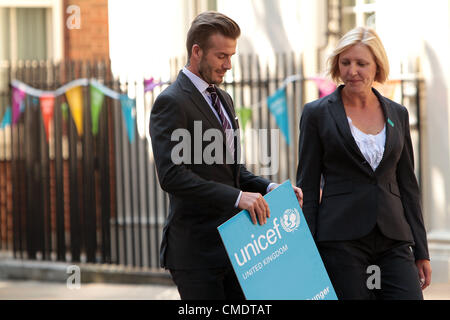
x: 206, y: 71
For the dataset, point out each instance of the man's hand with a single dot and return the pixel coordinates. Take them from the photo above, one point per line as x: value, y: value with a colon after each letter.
x: 424, y: 268
x: 297, y: 190
x: 256, y: 205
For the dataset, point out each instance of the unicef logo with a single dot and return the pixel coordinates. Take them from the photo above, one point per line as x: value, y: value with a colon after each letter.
x: 290, y: 220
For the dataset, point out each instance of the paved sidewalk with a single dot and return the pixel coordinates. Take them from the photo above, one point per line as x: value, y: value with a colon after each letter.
x: 34, y: 290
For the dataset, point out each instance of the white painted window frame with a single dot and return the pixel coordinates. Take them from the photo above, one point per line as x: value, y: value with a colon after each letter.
x: 54, y: 27
x: 360, y: 9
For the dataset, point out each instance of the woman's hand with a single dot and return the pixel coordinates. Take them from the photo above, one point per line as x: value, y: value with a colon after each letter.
x: 298, y: 193
x: 424, y: 269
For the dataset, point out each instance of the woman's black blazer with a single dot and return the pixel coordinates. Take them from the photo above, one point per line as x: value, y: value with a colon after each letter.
x: 356, y: 198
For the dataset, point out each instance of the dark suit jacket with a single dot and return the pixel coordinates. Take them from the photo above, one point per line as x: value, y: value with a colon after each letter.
x: 202, y: 196
x: 355, y: 198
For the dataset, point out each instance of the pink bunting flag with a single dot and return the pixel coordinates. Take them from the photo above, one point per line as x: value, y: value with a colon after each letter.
x: 326, y: 86
x: 150, y: 84
x: 47, y: 109
x: 18, y: 96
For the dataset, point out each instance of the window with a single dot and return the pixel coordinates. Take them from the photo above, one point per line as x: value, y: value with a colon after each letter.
x: 31, y: 30
x: 203, y: 5
x: 24, y: 33
x: 358, y: 13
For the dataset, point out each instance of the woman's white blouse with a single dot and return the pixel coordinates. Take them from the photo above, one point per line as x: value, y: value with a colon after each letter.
x: 371, y: 146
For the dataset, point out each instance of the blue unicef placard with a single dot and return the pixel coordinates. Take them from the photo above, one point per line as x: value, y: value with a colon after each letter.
x: 278, y: 260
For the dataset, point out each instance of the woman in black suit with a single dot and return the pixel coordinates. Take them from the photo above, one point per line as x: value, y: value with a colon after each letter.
x: 368, y: 225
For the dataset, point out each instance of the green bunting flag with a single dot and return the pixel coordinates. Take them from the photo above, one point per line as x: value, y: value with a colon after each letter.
x: 97, y: 98
x: 244, y: 115
x: 65, y: 111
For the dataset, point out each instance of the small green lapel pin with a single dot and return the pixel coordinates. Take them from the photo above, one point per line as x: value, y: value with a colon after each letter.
x: 390, y: 122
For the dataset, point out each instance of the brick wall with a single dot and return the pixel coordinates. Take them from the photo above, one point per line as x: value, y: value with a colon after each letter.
x: 90, y: 41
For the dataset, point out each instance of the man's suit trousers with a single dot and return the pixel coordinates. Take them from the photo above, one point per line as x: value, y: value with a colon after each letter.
x: 207, y: 284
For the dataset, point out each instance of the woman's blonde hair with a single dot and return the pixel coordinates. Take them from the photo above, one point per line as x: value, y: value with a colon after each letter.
x: 364, y: 36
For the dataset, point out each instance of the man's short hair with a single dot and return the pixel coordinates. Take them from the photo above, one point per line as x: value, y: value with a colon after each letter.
x: 207, y: 24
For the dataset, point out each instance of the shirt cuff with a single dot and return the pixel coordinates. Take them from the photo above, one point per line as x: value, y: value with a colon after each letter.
x: 270, y: 186
x: 236, y: 204
x: 238, y: 199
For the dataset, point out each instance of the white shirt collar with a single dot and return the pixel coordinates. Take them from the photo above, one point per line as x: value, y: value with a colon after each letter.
x: 198, y: 82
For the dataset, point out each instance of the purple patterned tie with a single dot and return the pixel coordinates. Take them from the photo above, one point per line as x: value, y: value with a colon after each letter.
x: 223, y: 119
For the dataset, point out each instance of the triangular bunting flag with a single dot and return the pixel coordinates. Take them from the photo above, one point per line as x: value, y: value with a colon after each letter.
x: 75, y: 100
x: 277, y: 104
x: 97, y: 98
x: 18, y: 96
x: 325, y: 86
x: 244, y: 115
x: 47, y: 109
x: 6, y: 121
x: 150, y: 84
x: 129, y: 115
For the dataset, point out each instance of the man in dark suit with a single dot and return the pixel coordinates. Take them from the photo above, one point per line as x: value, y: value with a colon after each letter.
x: 205, y: 187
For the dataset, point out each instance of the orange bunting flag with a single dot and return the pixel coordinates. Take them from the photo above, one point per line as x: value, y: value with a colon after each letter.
x: 47, y: 109
x: 75, y: 100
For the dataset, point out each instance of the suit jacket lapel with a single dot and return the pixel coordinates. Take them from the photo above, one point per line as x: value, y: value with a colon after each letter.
x: 390, y: 126
x: 336, y: 108
x: 200, y: 103
x: 198, y: 100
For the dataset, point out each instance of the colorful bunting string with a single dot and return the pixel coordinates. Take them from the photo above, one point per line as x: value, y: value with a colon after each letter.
x: 74, y: 95
x: 324, y: 85
x: 105, y: 90
x: 277, y: 103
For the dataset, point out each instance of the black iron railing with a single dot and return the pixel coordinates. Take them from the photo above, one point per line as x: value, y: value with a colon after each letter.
x: 96, y: 198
